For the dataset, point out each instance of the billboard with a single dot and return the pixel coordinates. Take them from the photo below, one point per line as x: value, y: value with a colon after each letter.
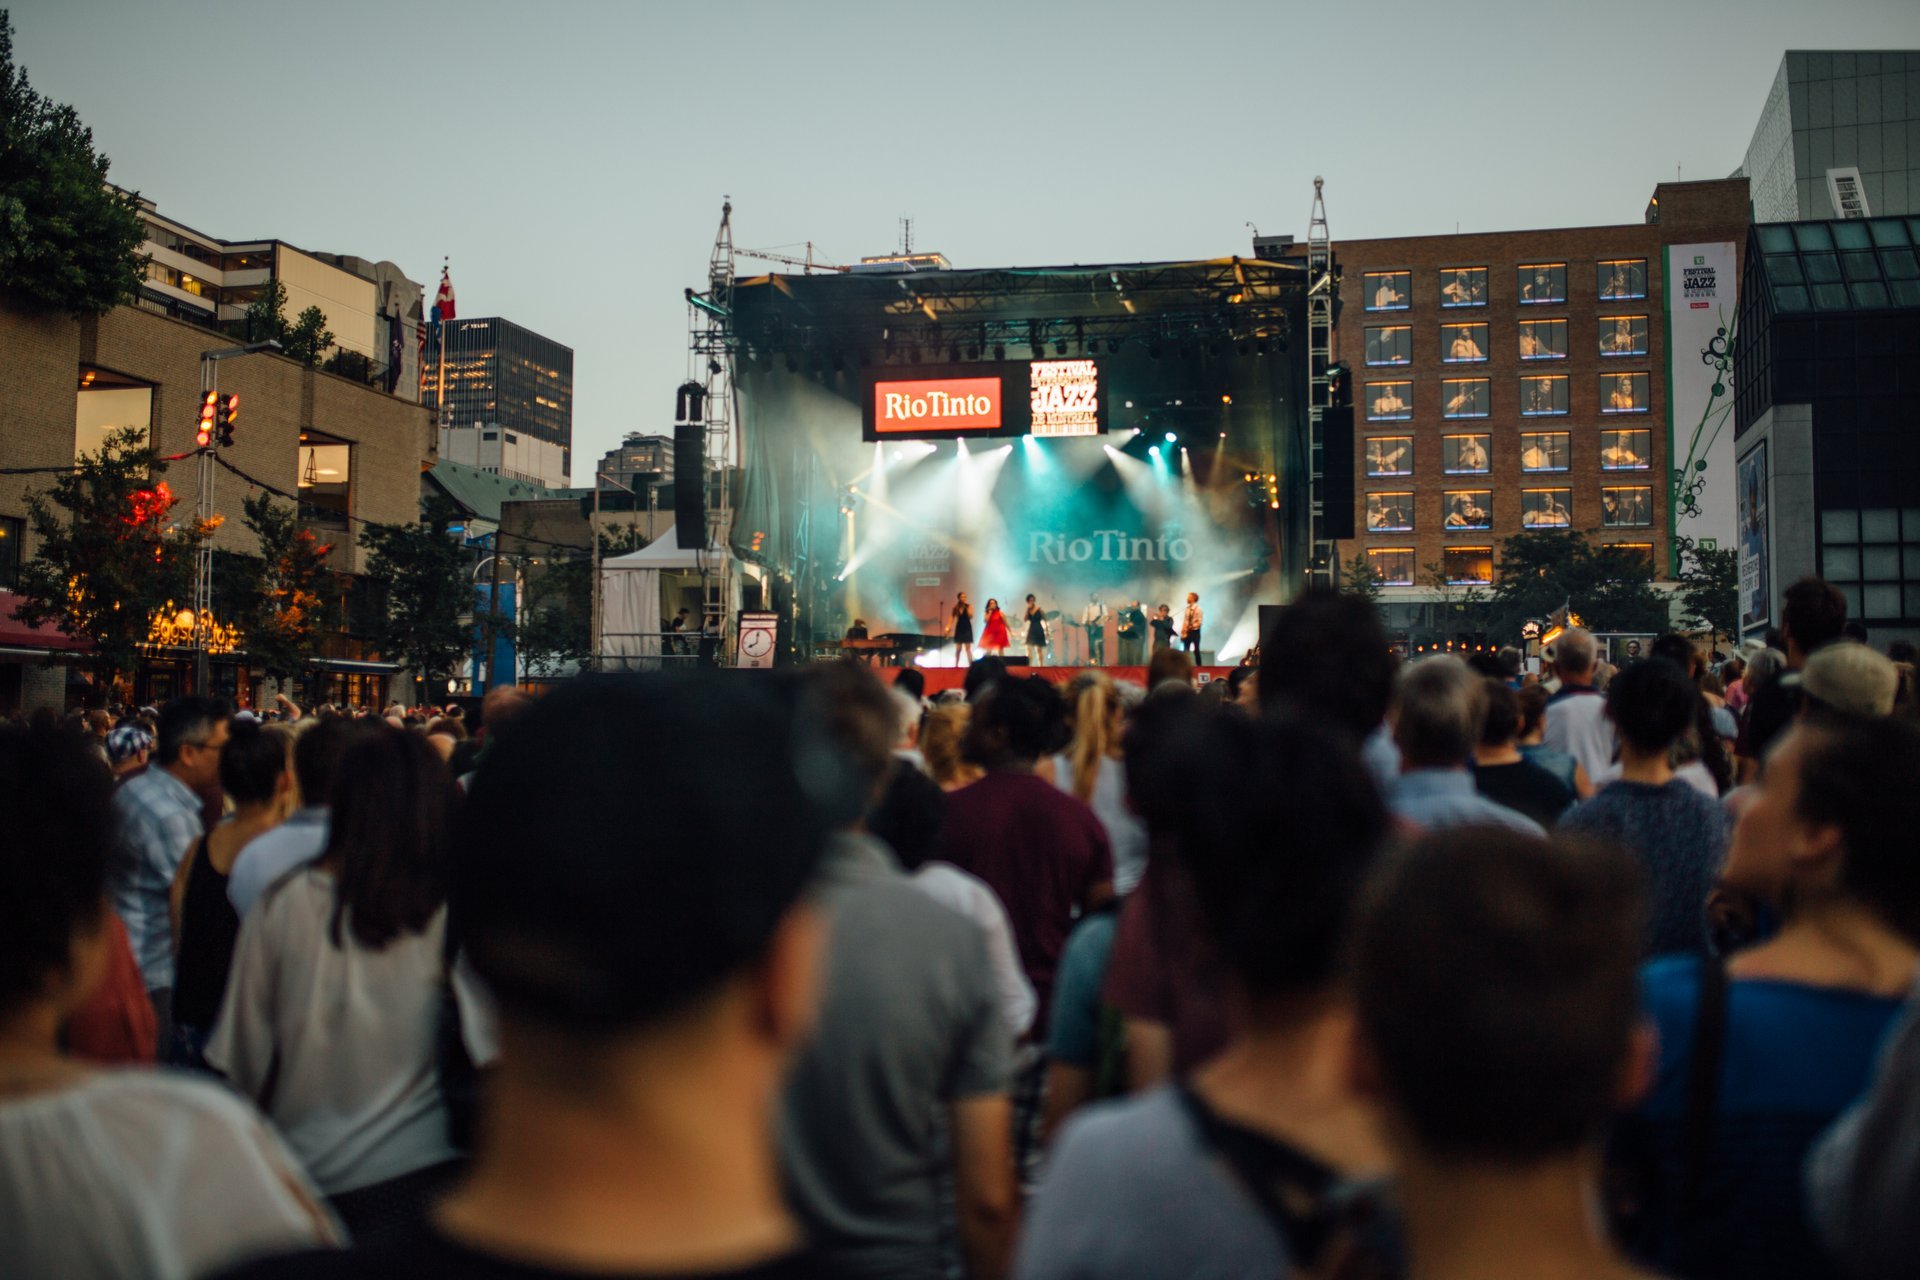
x: 1700, y: 291
x: 1756, y: 586
x: 1049, y: 398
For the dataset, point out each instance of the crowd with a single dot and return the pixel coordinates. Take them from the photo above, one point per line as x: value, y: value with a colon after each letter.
x: 1340, y: 968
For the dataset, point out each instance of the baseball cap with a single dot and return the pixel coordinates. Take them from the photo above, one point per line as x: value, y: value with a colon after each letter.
x: 127, y: 741
x: 1851, y: 678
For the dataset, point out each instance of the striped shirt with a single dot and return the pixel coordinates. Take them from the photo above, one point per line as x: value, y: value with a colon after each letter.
x: 159, y: 821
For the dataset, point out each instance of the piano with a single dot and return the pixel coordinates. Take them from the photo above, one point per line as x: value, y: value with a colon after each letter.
x: 894, y: 649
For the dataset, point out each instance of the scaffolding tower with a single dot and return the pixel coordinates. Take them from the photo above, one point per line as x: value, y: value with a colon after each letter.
x: 710, y: 363
x: 1321, y: 288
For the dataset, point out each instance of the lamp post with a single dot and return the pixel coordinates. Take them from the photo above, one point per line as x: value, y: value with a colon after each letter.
x: 203, y: 509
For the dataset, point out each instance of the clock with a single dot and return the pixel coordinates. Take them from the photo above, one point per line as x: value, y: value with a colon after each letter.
x: 756, y: 643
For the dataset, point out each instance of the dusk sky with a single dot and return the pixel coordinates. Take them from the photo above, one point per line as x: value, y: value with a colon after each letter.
x: 571, y: 158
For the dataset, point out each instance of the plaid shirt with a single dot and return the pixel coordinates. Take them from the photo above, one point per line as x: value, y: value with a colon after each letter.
x: 159, y: 821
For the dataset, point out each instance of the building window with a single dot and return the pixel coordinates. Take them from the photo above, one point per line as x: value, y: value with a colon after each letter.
x: 1626, y: 508
x: 1389, y: 513
x: 1622, y: 278
x: 1626, y: 450
x: 1465, y: 398
x: 1463, y: 343
x: 1389, y: 290
x: 1542, y: 282
x: 1466, y: 455
x: 1393, y: 566
x: 1467, y: 564
x: 12, y: 529
x: 1873, y: 558
x: 1546, y: 508
x: 1543, y: 396
x: 1624, y: 393
x: 1546, y: 451
x: 1389, y: 401
x: 1463, y: 286
x: 1469, y: 509
x: 1623, y: 335
x: 1543, y: 339
x: 1389, y: 455
x: 1390, y: 345
x: 1640, y: 552
x: 108, y: 404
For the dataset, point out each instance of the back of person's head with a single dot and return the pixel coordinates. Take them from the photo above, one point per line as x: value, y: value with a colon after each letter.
x: 1093, y: 709
x: 983, y: 674
x: 1482, y: 663
x: 907, y: 712
x: 1652, y: 703
x: 595, y: 928
x: 188, y: 719
x: 1019, y: 720
x: 1532, y: 701
x: 1850, y: 678
x: 910, y: 816
x: 856, y: 719
x: 1510, y: 660
x: 1150, y: 754
x: 1678, y: 650
x: 1438, y: 708
x: 1764, y: 665
x: 1858, y: 775
x: 941, y: 734
x: 1169, y: 666
x: 1574, y: 652
x: 61, y: 839
x: 1326, y: 658
x: 253, y: 762
x: 1279, y: 828
x: 503, y: 704
x: 1855, y: 630
x: 912, y: 682
x: 389, y: 836
x: 1812, y: 613
x: 316, y: 757
x: 1500, y: 723
x: 447, y: 727
x: 1496, y: 977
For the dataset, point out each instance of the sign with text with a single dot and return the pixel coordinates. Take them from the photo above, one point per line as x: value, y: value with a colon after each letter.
x: 1064, y: 397
x: 925, y: 406
x: 1701, y: 282
x: 1048, y: 398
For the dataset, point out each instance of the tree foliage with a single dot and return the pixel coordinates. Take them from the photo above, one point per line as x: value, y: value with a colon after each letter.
x: 556, y: 618
x: 67, y: 242
x: 1710, y: 588
x: 1360, y: 579
x: 306, y: 338
x: 424, y: 570
x: 112, y: 551
x: 1540, y: 570
x: 283, y: 599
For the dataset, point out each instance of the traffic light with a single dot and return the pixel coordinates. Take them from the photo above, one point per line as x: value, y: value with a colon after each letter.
x: 229, y: 412
x: 208, y: 411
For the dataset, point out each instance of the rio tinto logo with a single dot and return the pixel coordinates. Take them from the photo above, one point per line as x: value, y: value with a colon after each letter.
x: 944, y: 404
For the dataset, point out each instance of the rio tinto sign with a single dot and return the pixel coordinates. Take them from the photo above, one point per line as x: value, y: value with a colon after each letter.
x: 930, y: 405
x: 1064, y: 397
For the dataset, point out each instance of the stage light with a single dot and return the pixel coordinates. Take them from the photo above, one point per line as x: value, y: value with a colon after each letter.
x: 1171, y: 437
x: 1226, y: 399
x: 1154, y: 450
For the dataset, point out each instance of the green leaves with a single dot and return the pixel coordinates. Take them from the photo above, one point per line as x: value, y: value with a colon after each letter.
x: 424, y: 569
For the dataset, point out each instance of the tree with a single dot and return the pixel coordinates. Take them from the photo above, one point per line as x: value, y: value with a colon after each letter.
x: 1540, y: 570
x: 1463, y: 608
x: 556, y: 618
x: 305, y: 339
x: 111, y: 554
x: 282, y: 599
x: 424, y: 570
x: 68, y: 242
x: 1361, y: 580
x: 308, y: 338
x: 1710, y: 588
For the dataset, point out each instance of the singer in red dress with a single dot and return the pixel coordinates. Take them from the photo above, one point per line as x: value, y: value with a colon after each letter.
x: 994, y: 638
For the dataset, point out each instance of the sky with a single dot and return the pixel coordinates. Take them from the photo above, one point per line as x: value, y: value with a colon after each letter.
x: 570, y: 157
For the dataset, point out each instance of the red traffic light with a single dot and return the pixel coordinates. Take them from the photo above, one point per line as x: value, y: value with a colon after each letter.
x: 208, y: 410
x: 229, y: 412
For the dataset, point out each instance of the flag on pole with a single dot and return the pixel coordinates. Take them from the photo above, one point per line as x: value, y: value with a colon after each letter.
x: 443, y: 301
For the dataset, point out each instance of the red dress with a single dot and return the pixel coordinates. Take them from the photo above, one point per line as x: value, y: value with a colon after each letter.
x: 995, y: 636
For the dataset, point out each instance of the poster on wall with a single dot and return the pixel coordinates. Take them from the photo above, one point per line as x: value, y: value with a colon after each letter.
x: 1756, y: 590
x: 1700, y: 282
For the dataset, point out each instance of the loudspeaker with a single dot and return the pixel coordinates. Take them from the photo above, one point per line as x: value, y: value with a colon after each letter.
x: 1336, y: 461
x: 1019, y: 660
x: 690, y: 485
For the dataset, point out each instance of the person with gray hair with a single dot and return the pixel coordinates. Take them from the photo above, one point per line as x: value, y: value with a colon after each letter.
x: 1438, y: 707
x: 1577, y: 715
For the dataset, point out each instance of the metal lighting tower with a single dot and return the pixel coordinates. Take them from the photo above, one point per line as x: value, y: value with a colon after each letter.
x: 710, y: 360
x: 1321, y: 285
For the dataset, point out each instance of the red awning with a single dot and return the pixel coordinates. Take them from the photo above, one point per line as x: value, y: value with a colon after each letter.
x: 15, y: 634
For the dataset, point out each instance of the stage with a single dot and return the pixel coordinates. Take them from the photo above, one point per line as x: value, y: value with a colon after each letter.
x: 940, y: 679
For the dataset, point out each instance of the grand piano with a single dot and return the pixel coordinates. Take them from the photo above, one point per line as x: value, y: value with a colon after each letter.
x: 892, y: 649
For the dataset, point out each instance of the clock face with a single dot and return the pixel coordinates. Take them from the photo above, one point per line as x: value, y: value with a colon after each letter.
x: 756, y: 642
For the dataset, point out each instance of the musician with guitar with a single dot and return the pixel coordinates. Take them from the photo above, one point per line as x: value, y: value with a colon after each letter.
x: 1094, y: 619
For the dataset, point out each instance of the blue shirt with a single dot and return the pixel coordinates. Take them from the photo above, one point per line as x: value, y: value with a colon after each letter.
x: 1074, y: 1036
x: 1795, y: 1057
x: 271, y: 854
x: 1679, y: 837
x: 159, y: 821
x: 1439, y: 799
x: 1558, y: 763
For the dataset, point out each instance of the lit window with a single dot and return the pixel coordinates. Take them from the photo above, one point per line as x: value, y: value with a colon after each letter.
x: 1466, y: 455
x: 1392, y: 345
x: 1389, y: 290
x: 1626, y: 508
x: 1389, y: 513
x: 1624, y: 393
x: 1465, y: 398
x: 1542, y: 282
x: 1626, y: 450
x: 1463, y: 286
x: 1543, y: 395
x: 1468, y: 564
x: 1393, y: 566
x: 1389, y: 401
x: 1546, y: 508
x: 1389, y: 455
x: 1469, y: 509
x: 1546, y: 451
x: 1463, y: 343
x: 1543, y: 339
x: 12, y: 528
x: 1623, y: 335
x: 1622, y: 278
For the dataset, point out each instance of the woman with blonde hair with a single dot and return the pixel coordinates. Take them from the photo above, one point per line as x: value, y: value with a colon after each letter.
x: 1090, y: 770
x: 940, y: 734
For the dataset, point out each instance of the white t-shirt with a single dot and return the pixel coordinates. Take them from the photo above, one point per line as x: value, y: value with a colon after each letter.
x: 1578, y: 725
x: 146, y: 1173
x: 975, y: 899
x: 346, y: 1035
x: 1125, y: 832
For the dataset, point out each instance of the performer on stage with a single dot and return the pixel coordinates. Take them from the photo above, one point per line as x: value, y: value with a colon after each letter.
x: 960, y: 629
x: 994, y: 639
x: 1094, y: 619
x: 1162, y: 625
x: 858, y: 631
x: 1130, y: 629
x: 1036, y: 634
x: 1190, y: 626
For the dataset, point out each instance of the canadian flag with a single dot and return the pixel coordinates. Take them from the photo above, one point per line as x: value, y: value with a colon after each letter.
x: 443, y: 301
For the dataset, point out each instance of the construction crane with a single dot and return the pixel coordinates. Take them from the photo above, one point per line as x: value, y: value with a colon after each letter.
x: 808, y: 264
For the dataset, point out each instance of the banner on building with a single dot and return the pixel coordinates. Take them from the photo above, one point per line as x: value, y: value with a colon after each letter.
x: 1701, y: 285
x: 1756, y: 585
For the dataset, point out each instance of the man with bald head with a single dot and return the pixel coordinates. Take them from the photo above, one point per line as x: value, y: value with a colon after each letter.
x: 1577, y: 715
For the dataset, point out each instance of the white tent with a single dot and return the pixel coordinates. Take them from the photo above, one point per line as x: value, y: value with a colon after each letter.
x: 630, y: 608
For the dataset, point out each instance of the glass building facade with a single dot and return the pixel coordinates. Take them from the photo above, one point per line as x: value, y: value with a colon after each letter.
x: 499, y: 374
x: 1838, y: 111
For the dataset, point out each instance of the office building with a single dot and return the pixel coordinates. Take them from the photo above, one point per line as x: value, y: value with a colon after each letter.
x: 499, y: 451
x: 500, y: 376
x: 641, y: 461
x: 1839, y: 137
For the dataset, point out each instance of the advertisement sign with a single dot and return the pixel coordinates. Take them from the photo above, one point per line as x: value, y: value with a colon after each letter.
x: 1756, y: 581
x: 1701, y: 285
x: 1049, y: 398
x: 1064, y: 397
x: 925, y: 406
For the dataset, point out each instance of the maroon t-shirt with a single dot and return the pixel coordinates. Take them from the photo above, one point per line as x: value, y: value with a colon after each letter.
x: 1161, y: 969
x: 1041, y: 850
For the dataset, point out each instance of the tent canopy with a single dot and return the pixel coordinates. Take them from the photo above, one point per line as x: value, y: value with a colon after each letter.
x: 630, y: 606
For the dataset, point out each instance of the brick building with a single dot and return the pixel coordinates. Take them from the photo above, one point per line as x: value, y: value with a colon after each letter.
x: 1519, y: 380
x: 349, y: 451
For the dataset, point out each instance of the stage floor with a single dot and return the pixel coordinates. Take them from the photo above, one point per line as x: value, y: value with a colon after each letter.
x: 940, y: 679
